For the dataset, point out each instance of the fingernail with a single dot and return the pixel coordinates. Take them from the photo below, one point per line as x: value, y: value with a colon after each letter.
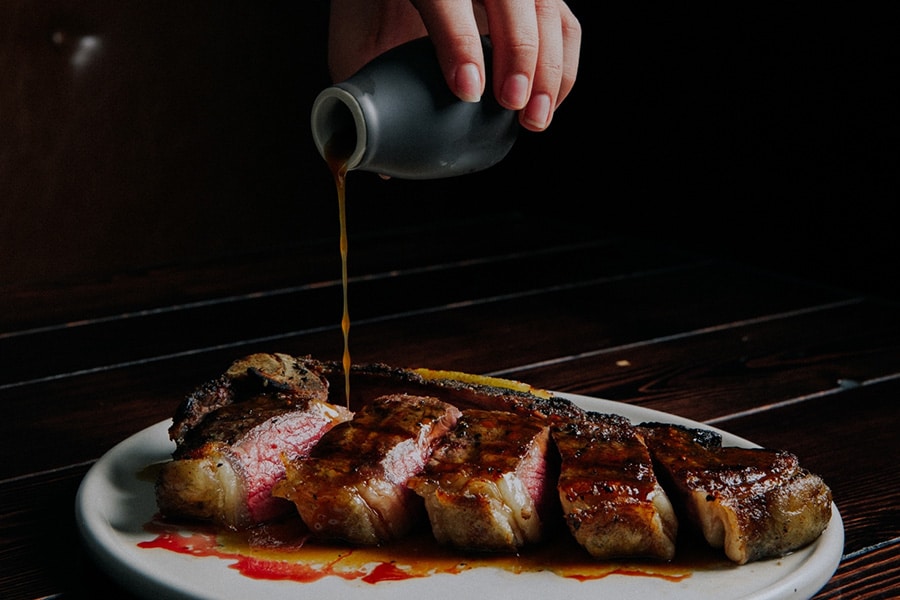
x: 468, y: 82
x: 537, y: 113
x: 514, y: 94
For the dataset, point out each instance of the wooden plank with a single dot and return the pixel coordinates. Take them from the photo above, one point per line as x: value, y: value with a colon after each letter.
x: 645, y: 299
x: 306, y: 261
x: 870, y: 575
x: 40, y: 548
x: 693, y: 374
x: 707, y: 374
x: 315, y: 304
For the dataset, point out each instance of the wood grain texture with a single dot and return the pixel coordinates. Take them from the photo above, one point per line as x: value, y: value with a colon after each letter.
x: 690, y: 264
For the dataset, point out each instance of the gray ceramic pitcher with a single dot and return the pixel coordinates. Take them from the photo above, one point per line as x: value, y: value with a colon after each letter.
x: 397, y: 117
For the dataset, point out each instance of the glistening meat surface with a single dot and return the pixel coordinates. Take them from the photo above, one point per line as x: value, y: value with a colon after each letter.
x: 612, y: 501
x: 754, y: 503
x: 353, y: 484
x: 236, y: 433
x: 487, y: 486
x: 231, y: 435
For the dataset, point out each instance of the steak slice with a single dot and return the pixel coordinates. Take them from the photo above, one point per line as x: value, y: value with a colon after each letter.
x: 612, y: 501
x: 231, y: 434
x: 754, y: 503
x: 463, y: 390
x: 486, y: 486
x: 299, y: 378
x: 353, y: 484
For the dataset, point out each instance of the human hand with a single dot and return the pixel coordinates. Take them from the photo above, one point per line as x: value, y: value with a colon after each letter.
x: 536, y: 46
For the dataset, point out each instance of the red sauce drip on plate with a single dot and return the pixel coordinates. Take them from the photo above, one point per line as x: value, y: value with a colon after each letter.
x: 285, y: 552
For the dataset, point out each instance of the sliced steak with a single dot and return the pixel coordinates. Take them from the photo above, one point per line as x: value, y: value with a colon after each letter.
x: 353, y: 484
x: 754, y: 503
x: 300, y: 378
x: 486, y: 486
x: 231, y: 436
x: 612, y: 502
x: 463, y: 390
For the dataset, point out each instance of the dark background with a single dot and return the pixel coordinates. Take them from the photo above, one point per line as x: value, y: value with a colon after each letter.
x: 764, y: 134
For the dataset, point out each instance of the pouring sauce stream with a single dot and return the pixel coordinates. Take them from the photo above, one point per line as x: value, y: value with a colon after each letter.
x: 337, y: 152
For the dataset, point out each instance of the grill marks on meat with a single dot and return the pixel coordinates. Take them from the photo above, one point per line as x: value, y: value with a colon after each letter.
x: 226, y: 467
x: 486, y: 486
x: 353, y: 484
x: 231, y: 434
x: 263, y: 436
x: 612, y: 501
x: 754, y: 503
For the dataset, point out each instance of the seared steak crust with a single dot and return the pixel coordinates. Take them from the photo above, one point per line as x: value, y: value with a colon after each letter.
x: 486, y: 486
x: 298, y: 378
x: 353, y: 484
x: 239, y: 434
x: 206, y: 398
x: 612, y: 502
x: 754, y: 503
x: 459, y: 389
x: 231, y: 434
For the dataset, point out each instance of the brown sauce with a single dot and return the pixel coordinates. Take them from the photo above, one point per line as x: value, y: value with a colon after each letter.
x: 284, y: 551
x: 337, y: 151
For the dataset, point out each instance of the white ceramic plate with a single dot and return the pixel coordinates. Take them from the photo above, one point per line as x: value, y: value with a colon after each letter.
x: 113, y: 505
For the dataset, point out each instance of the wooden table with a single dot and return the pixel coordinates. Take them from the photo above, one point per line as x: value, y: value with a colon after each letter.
x: 778, y: 360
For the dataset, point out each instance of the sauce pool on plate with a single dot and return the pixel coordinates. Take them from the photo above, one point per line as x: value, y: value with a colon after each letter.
x: 284, y: 551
